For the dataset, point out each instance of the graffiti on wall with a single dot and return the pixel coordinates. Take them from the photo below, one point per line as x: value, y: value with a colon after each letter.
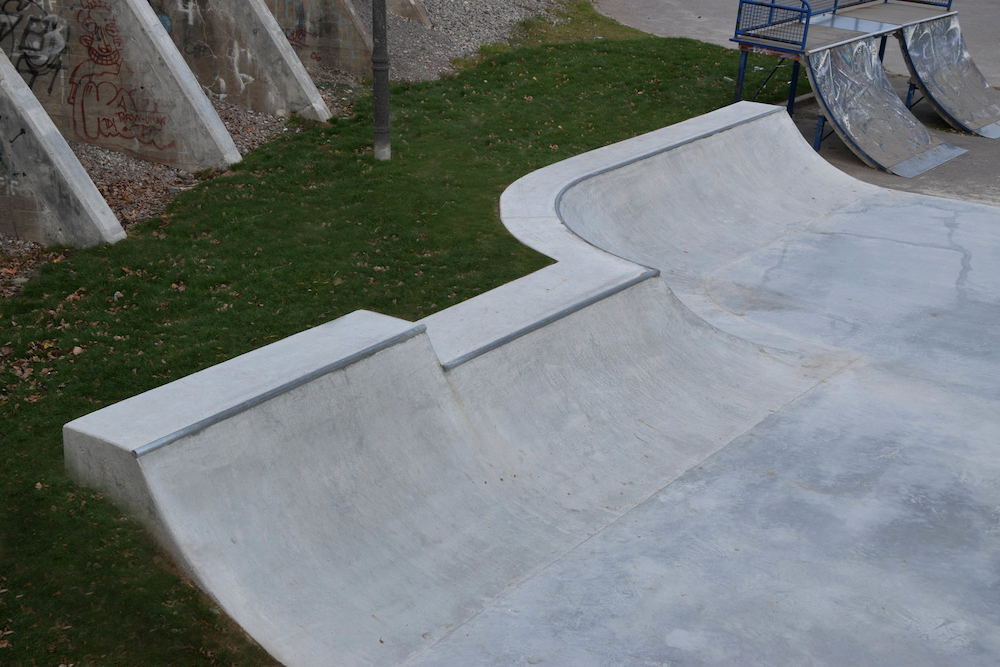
x: 36, y: 43
x: 324, y: 32
x: 45, y: 39
x: 10, y: 174
x: 102, y: 107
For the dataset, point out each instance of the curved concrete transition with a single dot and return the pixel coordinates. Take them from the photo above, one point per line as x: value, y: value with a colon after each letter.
x: 759, y: 427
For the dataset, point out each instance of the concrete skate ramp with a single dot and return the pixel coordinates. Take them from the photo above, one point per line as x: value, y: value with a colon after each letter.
x: 579, y: 468
x: 867, y: 114
x: 941, y: 66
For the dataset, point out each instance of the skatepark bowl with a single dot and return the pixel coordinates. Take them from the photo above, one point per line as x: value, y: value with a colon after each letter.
x: 749, y: 416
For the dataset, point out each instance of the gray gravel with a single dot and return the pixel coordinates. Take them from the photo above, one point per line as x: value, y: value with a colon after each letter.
x: 460, y: 27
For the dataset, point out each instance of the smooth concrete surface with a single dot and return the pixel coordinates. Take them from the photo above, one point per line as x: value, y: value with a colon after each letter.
x: 241, y: 55
x: 735, y: 423
x: 107, y: 74
x: 46, y: 195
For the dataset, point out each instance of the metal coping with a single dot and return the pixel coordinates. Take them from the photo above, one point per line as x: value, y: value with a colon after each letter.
x: 549, y: 319
x: 611, y: 291
x: 234, y: 410
x: 926, y: 161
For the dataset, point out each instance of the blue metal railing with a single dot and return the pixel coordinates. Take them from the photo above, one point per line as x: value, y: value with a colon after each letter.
x: 774, y: 21
x: 787, y: 22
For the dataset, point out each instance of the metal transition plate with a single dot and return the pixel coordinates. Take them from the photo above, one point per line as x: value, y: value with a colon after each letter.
x: 857, y: 98
x: 943, y: 69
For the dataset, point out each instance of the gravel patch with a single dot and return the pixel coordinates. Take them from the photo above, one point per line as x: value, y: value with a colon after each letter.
x: 137, y: 190
x: 460, y: 27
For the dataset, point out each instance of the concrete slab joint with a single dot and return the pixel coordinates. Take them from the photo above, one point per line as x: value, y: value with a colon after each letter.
x: 107, y: 74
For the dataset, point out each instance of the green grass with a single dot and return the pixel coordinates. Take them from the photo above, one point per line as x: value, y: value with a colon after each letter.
x: 306, y: 229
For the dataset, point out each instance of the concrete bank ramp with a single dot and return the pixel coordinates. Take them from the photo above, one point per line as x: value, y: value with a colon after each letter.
x: 107, y: 74
x: 46, y: 195
x: 941, y: 66
x: 579, y: 468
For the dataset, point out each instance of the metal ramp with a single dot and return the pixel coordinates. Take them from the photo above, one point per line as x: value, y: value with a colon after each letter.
x: 943, y: 70
x: 855, y: 95
x: 836, y: 40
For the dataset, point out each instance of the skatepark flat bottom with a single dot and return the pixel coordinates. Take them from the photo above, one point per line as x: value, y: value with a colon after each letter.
x: 750, y: 416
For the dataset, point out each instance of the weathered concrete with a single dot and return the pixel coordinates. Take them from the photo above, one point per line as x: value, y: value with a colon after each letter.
x: 45, y: 194
x: 327, y: 33
x: 409, y: 9
x: 239, y: 53
x: 107, y: 74
x: 780, y: 449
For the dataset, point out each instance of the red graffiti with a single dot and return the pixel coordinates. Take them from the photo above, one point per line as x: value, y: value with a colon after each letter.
x: 299, y: 37
x: 101, y: 107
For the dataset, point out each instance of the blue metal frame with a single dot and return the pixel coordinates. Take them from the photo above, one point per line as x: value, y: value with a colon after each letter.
x: 785, y: 28
x: 786, y: 24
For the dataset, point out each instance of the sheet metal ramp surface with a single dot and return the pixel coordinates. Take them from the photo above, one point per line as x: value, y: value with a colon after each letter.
x: 942, y: 68
x: 844, y: 69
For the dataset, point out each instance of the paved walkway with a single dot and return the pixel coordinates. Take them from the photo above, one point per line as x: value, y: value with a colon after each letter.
x: 972, y: 176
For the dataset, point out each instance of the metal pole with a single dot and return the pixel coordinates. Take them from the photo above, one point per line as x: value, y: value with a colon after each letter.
x: 793, y: 88
x: 741, y: 76
x: 380, y: 81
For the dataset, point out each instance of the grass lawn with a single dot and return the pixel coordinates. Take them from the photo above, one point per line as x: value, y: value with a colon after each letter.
x: 304, y: 230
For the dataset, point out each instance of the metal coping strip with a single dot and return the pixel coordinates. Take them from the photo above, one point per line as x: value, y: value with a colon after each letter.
x: 234, y: 410
x: 647, y: 274
x: 549, y: 319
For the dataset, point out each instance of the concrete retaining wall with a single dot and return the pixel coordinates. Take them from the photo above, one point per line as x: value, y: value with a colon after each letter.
x: 45, y: 194
x: 326, y: 33
x: 239, y: 53
x: 107, y: 74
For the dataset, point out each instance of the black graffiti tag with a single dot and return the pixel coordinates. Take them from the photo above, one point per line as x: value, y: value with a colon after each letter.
x: 43, y: 45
